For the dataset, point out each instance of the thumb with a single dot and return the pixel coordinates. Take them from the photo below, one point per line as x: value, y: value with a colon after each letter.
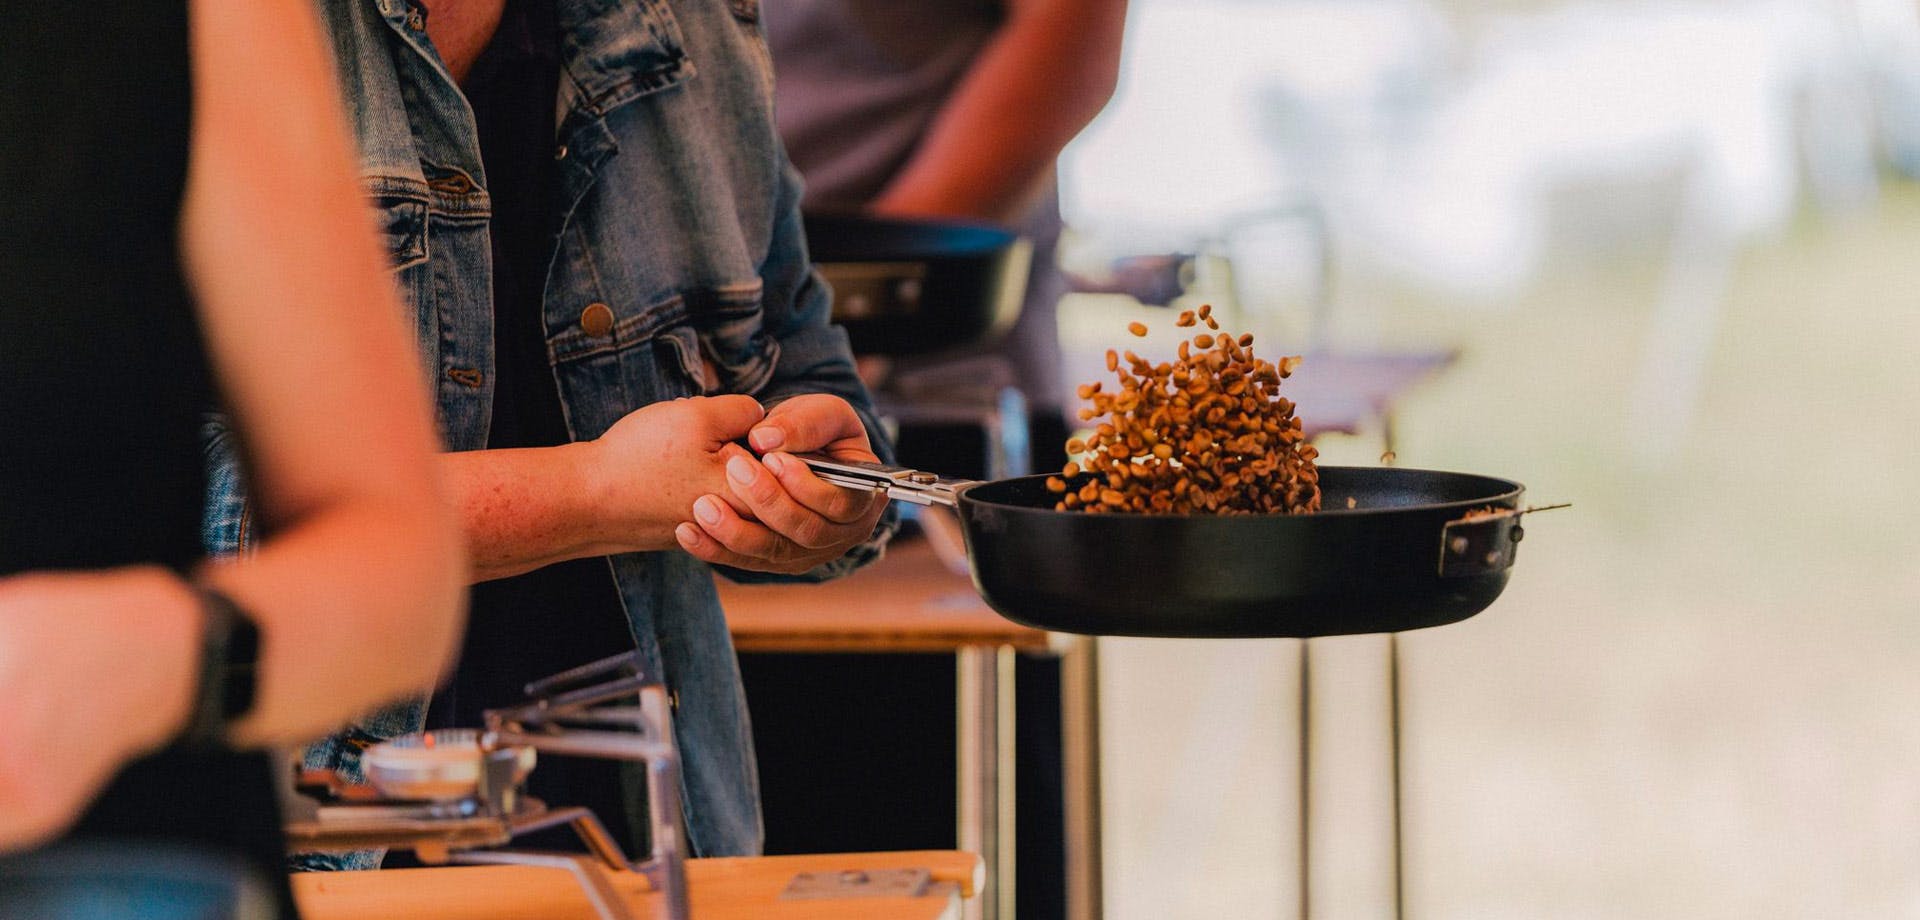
x: 728, y: 418
x: 815, y: 421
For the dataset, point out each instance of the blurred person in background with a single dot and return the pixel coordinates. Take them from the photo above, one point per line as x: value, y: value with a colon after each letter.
x: 953, y: 109
x: 179, y: 228
x: 589, y: 217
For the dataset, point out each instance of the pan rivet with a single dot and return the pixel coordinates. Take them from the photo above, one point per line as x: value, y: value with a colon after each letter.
x: 924, y: 479
x: 1459, y: 546
x: 1516, y: 534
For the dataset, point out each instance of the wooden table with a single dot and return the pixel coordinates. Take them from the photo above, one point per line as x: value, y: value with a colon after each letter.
x: 910, y: 601
x: 722, y: 889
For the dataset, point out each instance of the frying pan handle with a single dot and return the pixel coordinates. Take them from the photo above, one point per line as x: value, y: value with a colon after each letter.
x: 1480, y: 543
x: 899, y: 482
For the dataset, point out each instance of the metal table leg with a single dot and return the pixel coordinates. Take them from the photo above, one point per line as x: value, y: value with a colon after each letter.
x: 1306, y: 777
x: 1080, y: 762
x: 1393, y: 730
x: 1387, y: 436
x: 985, y: 775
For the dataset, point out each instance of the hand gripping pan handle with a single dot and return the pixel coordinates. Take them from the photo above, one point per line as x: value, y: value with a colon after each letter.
x: 899, y: 482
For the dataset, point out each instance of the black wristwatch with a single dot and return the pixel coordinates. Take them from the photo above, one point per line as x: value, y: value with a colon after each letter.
x: 229, y: 655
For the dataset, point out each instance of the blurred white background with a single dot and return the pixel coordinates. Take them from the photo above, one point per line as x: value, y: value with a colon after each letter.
x: 1678, y: 247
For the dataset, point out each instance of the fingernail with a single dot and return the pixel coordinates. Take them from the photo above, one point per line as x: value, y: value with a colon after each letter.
x: 768, y: 438
x: 740, y: 469
x: 687, y: 534
x: 707, y: 509
x: 776, y: 462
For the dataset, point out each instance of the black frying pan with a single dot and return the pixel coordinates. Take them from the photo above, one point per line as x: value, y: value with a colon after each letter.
x: 1406, y: 556
x: 913, y: 287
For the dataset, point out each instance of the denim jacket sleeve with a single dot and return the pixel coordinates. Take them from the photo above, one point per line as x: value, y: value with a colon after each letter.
x: 814, y: 357
x: 225, y: 523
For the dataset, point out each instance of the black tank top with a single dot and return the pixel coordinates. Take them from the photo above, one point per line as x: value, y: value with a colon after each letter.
x: 103, y: 375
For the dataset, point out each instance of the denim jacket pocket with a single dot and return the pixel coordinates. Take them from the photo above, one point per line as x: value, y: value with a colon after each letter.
x: 403, y: 228
x: 683, y: 345
x: 623, y: 51
x: 700, y: 343
x: 403, y: 218
x: 604, y: 372
x: 733, y: 351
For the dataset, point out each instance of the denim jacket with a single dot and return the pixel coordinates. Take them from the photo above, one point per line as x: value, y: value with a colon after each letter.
x: 678, y: 210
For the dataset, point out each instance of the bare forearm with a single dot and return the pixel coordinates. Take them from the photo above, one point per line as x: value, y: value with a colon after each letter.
x: 525, y: 508
x: 1055, y: 63
x: 357, y: 587
x: 342, y: 599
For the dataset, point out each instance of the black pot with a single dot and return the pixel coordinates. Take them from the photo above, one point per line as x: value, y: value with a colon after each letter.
x: 913, y: 287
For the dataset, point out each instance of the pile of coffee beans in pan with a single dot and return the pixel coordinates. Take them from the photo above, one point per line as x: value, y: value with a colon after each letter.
x: 1205, y: 433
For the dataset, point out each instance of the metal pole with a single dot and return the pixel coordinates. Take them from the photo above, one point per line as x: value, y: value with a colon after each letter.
x: 1080, y: 762
x: 1004, y: 792
x: 977, y: 777
x: 1306, y: 778
x: 1399, y: 847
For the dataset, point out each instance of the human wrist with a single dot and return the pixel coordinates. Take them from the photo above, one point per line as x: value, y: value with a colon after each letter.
x: 162, y: 627
x: 611, y: 510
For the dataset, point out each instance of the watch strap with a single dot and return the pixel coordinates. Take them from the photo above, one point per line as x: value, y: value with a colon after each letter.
x: 229, y: 657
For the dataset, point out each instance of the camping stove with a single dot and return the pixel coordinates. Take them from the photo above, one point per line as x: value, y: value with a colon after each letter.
x: 457, y: 796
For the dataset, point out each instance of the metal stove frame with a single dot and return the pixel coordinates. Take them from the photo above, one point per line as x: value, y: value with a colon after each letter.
x: 606, y: 709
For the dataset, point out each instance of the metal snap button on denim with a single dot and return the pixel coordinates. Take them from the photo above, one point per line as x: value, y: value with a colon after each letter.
x: 597, y: 319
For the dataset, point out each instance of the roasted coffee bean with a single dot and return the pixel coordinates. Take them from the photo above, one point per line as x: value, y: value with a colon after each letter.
x: 1205, y: 433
